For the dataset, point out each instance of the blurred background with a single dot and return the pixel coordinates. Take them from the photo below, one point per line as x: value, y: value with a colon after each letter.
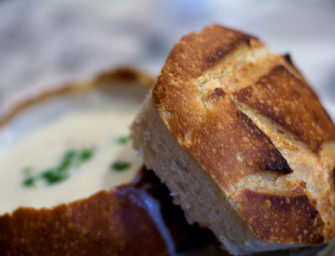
x: 44, y: 44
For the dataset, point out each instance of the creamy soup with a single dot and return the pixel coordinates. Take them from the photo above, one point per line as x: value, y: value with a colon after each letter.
x: 89, y: 146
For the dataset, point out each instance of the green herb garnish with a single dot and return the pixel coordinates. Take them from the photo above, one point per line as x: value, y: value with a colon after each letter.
x: 54, y: 176
x: 29, y: 182
x: 83, y: 156
x: 120, y: 166
x: 67, y: 160
x: 123, y: 140
x: 72, y: 158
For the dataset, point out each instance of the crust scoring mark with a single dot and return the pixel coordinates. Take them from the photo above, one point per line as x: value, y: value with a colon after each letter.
x: 221, y: 51
x: 219, y: 92
x: 298, y: 109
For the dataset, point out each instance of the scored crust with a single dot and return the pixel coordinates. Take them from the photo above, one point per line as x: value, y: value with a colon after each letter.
x: 248, y: 118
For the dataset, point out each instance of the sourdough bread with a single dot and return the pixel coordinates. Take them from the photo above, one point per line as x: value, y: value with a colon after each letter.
x: 242, y: 142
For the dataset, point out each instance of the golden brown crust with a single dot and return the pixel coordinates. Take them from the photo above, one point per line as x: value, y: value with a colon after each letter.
x: 200, y: 96
x: 281, y: 219
x: 197, y: 52
x: 107, y: 223
x: 238, y: 147
x: 291, y: 103
x: 194, y: 122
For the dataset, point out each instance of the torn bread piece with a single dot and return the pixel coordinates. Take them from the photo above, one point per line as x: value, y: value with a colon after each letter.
x: 242, y: 142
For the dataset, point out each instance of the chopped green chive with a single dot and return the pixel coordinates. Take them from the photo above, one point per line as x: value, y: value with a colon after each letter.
x: 120, y: 166
x: 67, y: 160
x: 123, y: 140
x: 85, y: 154
x: 52, y: 176
x: 29, y: 182
x: 72, y: 158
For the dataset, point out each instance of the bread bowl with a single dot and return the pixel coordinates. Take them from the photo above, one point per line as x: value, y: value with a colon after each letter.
x: 93, y: 207
x: 242, y: 142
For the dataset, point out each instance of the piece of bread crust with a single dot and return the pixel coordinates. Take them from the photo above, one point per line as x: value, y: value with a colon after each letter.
x: 107, y: 223
x: 242, y: 142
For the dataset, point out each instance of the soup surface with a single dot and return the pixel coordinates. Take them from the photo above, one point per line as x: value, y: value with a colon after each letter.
x: 71, y: 156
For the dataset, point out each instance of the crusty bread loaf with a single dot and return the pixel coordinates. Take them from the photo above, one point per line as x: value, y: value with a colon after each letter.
x: 242, y: 142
